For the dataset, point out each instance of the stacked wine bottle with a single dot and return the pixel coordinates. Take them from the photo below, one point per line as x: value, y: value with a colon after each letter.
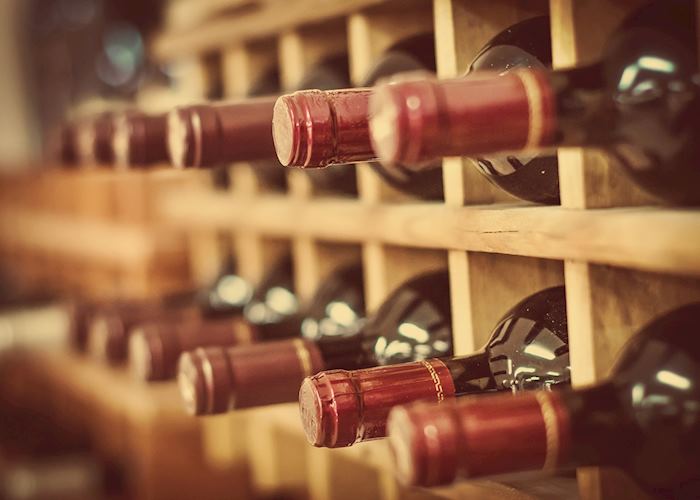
x: 509, y: 407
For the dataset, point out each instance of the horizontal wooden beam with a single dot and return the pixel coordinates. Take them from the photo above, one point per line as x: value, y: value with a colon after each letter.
x: 95, y: 241
x: 256, y: 24
x: 650, y: 238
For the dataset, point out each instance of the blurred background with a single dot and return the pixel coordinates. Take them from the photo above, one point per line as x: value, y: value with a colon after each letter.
x: 56, y: 53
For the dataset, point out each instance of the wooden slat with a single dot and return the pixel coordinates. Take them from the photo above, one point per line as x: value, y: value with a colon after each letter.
x: 262, y: 23
x: 103, y: 242
x: 608, y: 236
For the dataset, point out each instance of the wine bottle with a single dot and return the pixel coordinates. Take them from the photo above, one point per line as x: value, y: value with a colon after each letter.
x: 139, y: 139
x: 217, y: 379
x: 330, y: 73
x: 221, y: 133
x: 267, y: 374
x: 267, y: 170
x: 638, y: 103
x: 528, y: 349
x: 61, y: 145
x: 35, y: 326
x: 235, y: 314
x: 644, y: 419
x: 211, y: 134
x: 94, y: 139
x: 316, y: 128
x: 110, y: 325
x: 155, y: 346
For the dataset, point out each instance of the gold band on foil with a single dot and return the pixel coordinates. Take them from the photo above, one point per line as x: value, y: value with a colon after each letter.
x: 533, y: 93
x: 551, y: 429
x: 439, y: 391
x: 303, y: 356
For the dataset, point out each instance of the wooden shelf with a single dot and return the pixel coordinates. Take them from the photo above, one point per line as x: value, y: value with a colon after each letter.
x: 622, y: 258
x: 257, y: 24
x: 142, y: 427
x: 116, y: 389
x: 94, y: 240
x: 615, y: 236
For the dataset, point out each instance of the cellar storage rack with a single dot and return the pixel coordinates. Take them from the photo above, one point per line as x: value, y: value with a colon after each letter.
x: 623, y: 258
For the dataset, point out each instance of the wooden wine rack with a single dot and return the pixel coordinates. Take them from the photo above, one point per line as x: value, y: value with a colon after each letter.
x: 623, y: 257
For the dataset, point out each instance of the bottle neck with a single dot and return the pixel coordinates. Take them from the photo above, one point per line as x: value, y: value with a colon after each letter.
x: 345, y: 352
x: 579, y: 98
x: 597, y: 431
x: 283, y: 329
x: 471, y: 374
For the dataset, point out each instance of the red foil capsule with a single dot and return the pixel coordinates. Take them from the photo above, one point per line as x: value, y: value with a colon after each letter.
x: 416, y: 122
x: 340, y: 407
x: 62, y: 145
x: 140, y: 139
x: 315, y: 128
x: 210, y: 135
x: 94, y: 139
x: 475, y: 437
x: 217, y: 379
x: 155, y: 347
x: 110, y: 328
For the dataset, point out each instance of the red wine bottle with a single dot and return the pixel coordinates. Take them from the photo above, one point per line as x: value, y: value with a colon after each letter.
x: 313, y: 128
x: 644, y: 419
x: 638, y: 103
x: 329, y: 73
x: 267, y: 373
x: 214, y: 134
x: 109, y: 326
x: 527, y: 350
x: 62, y: 145
x: 139, y: 139
x: 233, y: 313
x: 268, y: 170
x: 94, y: 139
x: 207, y: 135
x: 332, y: 73
x: 249, y: 374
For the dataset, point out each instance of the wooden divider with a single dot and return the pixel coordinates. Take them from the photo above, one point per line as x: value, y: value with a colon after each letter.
x: 498, y: 250
x: 606, y: 305
x: 623, y: 258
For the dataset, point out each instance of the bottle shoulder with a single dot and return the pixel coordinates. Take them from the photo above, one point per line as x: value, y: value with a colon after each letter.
x: 529, y: 347
x: 414, y: 323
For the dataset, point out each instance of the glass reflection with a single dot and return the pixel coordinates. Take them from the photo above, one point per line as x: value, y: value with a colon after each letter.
x: 338, y: 307
x: 653, y: 101
x: 527, y: 176
x: 273, y: 301
x: 414, y: 323
x: 529, y: 348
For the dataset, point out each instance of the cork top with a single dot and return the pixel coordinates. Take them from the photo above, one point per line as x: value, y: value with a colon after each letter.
x: 302, y: 129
